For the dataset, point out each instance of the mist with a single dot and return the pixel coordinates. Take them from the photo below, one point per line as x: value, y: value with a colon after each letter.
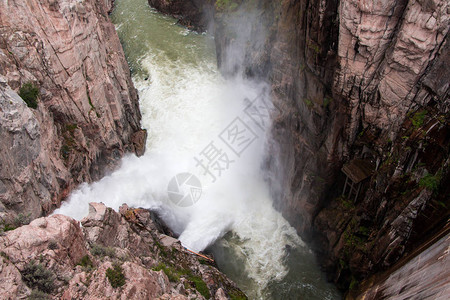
x: 216, y: 129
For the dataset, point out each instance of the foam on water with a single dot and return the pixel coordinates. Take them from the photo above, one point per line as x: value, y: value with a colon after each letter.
x: 185, y: 105
x: 184, y: 108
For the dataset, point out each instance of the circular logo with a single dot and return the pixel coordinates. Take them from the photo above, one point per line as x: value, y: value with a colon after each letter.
x: 184, y: 189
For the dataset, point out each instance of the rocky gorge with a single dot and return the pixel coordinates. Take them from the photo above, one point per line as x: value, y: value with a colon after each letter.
x: 86, y: 116
x: 353, y: 81
x: 356, y: 85
x: 114, y: 255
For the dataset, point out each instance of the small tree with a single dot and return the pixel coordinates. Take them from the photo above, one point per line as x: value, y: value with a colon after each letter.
x: 29, y: 93
x: 36, y: 276
x: 115, y: 276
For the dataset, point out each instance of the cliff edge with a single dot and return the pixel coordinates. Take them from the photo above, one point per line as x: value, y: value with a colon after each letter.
x: 113, y: 255
x: 78, y: 112
x: 360, y: 85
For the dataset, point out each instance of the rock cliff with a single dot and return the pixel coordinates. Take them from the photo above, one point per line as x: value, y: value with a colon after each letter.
x: 113, y: 255
x: 352, y: 80
x: 67, y: 57
x: 195, y: 14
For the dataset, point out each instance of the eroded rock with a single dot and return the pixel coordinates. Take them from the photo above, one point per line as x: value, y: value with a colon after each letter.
x: 87, y: 115
x: 154, y: 265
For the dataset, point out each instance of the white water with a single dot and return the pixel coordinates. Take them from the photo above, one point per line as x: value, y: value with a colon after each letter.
x: 185, y: 105
x: 184, y: 108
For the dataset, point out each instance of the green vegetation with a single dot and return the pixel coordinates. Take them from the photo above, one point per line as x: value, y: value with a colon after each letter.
x: 430, y: 182
x: 101, y: 251
x: 86, y: 262
x: 237, y: 295
x: 115, y: 276
x: 29, y: 93
x: 204, y: 262
x: 342, y: 264
x: 162, y: 250
x: 353, y: 284
x: 36, y: 276
x: 92, y: 105
x: 69, y: 142
x: 52, y: 245
x: 313, y: 46
x: 346, y: 203
x: 223, y: 5
x: 200, y: 286
x: 363, y: 230
x: 71, y: 127
x: 418, y: 118
x: 8, y: 227
x: 174, y: 275
x: 4, y: 255
x: 327, y: 101
x: 352, y: 240
x: 38, y: 295
x: 308, y: 103
x: 355, y: 236
x: 18, y: 221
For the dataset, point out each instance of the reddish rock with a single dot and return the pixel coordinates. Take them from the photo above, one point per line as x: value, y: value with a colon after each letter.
x: 128, y: 239
x: 87, y: 111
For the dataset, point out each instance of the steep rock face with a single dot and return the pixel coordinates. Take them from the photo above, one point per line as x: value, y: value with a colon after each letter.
x: 87, y: 113
x: 422, y: 273
x: 76, y: 260
x: 195, y: 14
x: 351, y: 79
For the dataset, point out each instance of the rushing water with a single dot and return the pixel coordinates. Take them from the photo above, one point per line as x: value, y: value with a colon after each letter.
x: 187, y: 109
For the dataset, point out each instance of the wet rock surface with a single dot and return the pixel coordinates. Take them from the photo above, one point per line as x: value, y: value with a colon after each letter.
x: 87, y: 113
x: 81, y: 261
x: 194, y: 14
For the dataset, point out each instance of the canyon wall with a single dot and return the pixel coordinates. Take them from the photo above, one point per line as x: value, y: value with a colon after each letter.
x: 194, y: 14
x: 87, y: 115
x: 351, y: 80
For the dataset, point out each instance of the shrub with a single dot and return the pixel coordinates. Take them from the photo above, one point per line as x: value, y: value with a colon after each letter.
x: 418, y: 118
x: 99, y: 250
x: 52, y: 245
x: 38, y: 295
x: 4, y: 255
x: 200, y: 286
x: 86, y: 262
x: 29, y: 93
x: 36, y: 276
x: 171, y: 273
x: 8, y: 227
x: 115, y: 276
x: 430, y: 182
x: 22, y: 219
x: 18, y: 221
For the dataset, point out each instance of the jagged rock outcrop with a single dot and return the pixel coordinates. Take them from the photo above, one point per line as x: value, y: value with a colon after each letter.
x: 87, y: 115
x: 55, y: 256
x: 351, y: 79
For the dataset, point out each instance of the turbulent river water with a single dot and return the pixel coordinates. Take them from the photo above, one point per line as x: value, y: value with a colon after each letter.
x: 200, y: 124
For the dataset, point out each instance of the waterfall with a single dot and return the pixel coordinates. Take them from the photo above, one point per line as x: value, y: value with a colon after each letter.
x: 207, y: 138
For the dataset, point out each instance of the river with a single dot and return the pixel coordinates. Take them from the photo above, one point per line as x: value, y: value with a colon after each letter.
x: 202, y: 168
